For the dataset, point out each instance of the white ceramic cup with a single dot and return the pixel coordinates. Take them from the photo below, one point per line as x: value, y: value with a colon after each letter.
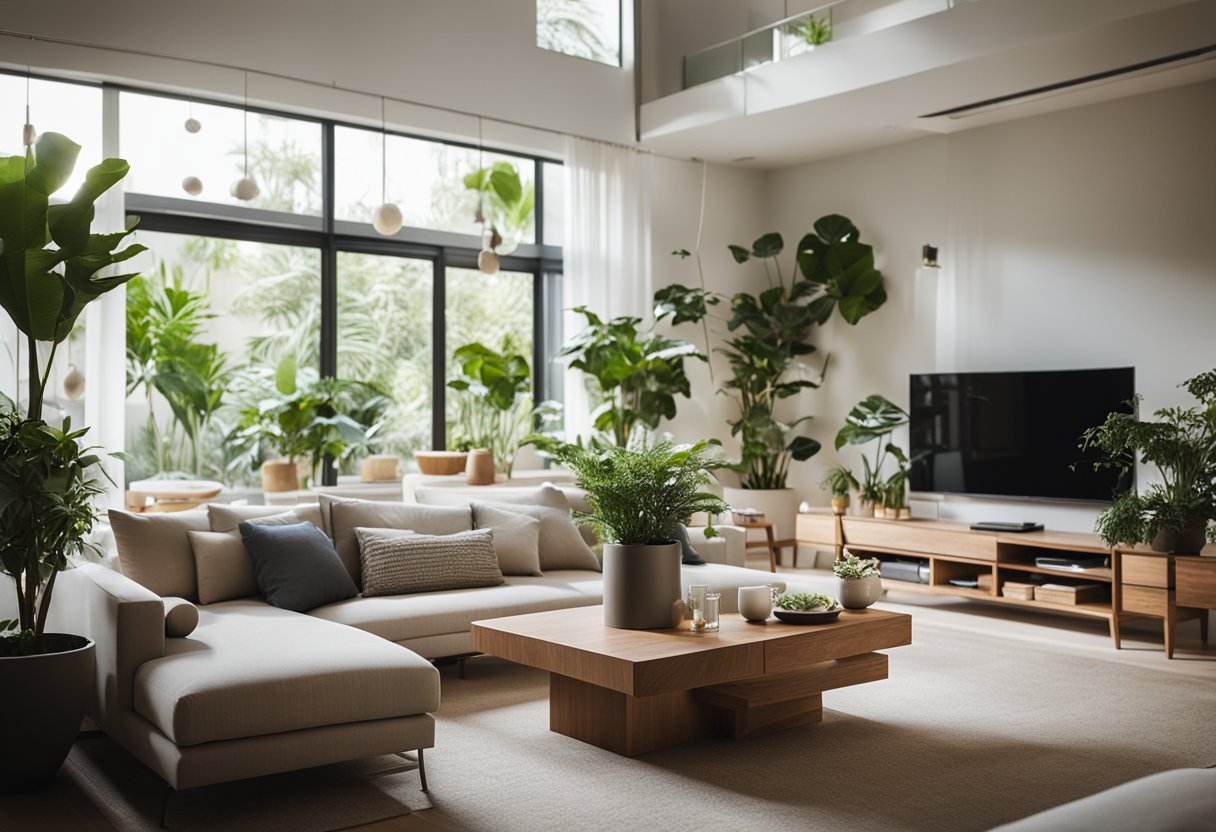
x: 755, y: 602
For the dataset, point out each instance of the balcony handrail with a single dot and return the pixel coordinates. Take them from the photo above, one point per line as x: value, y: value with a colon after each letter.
x: 766, y: 27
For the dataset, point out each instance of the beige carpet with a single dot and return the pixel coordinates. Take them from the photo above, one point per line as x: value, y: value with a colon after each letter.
x: 983, y: 720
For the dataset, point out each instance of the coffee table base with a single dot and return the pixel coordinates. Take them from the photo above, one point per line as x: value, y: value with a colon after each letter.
x: 633, y: 725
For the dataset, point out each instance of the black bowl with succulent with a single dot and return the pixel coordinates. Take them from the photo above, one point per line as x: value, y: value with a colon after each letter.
x: 803, y: 608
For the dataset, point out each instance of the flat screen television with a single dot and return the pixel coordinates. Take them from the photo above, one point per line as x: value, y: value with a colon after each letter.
x: 1014, y: 434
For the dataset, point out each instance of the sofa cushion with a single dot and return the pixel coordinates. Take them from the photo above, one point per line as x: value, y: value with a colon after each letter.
x: 181, y: 617
x: 688, y: 555
x: 404, y: 617
x: 222, y: 563
x: 347, y: 515
x: 296, y: 566
x: 226, y: 518
x: 516, y: 538
x: 250, y: 669
x: 566, y: 497
x: 561, y: 545
x: 395, y: 563
x: 153, y: 549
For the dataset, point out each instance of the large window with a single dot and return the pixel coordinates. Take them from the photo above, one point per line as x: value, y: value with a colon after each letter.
x: 588, y: 29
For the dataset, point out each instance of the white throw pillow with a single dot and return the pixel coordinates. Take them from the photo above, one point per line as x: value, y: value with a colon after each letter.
x: 516, y: 538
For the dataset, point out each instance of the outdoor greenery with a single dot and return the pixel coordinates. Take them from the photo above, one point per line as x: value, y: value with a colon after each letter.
x: 572, y: 27
x: 494, y: 409
x: 814, y: 31
x: 633, y: 375
x: 504, y: 203
x: 1181, y: 444
x: 832, y: 270
x: 49, y: 261
x: 851, y: 567
x: 639, y: 496
x: 873, y: 419
x: 802, y: 602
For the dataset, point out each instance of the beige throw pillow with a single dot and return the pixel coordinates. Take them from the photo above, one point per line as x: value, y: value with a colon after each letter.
x: 226, y: 518
x: 560, y: 545
x: 153, y: 549
x: 347, y: 515
x: 516, y: 538
x: 222, y: 563
x: 547, y: 494
x: 396, y: 564
x: 181, y: 617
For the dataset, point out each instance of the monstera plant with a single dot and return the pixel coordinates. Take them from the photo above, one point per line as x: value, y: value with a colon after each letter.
x: 49, y: 269
x: 493, y: 408
x: 770, y: 334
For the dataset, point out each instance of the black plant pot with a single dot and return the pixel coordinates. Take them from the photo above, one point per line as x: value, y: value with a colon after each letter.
x: 44, y: 700
x: 1188, y: 540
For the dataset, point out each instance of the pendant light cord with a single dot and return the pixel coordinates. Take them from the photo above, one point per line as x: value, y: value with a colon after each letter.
x: 246, y: 124
x: 29, y: 69
x: 383, y: 154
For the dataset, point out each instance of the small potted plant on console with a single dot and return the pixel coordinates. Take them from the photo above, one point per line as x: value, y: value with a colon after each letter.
x: 838, y: 480
x: 859, y: 583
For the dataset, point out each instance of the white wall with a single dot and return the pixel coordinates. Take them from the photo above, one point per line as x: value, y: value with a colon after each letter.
x: 1082, y: 238
x: 473, y: 56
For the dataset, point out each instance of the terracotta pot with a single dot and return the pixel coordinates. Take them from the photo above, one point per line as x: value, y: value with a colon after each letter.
x: 280, y: 475
x: 480, y: 468
x: 380, y: 468
x: 45, y: 697
x: 642, y: 586
x: 840, y: 504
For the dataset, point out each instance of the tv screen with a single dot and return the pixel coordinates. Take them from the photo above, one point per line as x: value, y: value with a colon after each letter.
x: 1014, y: 434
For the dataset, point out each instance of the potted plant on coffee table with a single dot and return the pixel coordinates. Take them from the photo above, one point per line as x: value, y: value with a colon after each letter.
x: 769, y: 343
x: 637, y: 498
x: 858, y: 582
x: 1172, y: 515
x: 49, y: 260
x: 838, y: 480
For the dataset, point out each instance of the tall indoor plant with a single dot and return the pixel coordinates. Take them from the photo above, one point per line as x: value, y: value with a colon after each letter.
x: 633, y: 374
x: 771, y: 337
x: 637, y: 498
x: 493, y: 406
x: 48, y: 274
x: 1173, y: 514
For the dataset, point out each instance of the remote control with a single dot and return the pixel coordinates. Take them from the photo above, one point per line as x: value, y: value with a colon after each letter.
x: 1016, y: 528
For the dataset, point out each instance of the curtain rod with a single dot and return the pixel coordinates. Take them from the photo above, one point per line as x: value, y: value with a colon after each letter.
x: 282, y: 77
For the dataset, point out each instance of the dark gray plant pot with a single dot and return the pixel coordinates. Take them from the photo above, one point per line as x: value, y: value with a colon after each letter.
x: 642, y: 586
x: 44, y: 701
x: 1180, y: 541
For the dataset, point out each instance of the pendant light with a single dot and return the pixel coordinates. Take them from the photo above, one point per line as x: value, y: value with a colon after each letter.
x: 487, y: 259
x: 192, y: 184
x: 193, y: 125
x: 73, y: 379
x: 28, y: 133
x: 244, y: 188
x: 387, y: 218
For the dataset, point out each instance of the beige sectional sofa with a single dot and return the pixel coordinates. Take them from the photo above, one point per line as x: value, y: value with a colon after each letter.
x: 255, y: 689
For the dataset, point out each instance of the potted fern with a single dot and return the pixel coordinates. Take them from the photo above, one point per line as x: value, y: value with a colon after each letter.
x: 48, y: 275
x: 637, y: 498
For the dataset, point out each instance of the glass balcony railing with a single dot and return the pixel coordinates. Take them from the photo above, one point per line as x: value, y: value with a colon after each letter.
x: 801, y: 34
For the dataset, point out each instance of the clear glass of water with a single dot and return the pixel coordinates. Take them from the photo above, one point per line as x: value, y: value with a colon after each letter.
x: 711, y: 612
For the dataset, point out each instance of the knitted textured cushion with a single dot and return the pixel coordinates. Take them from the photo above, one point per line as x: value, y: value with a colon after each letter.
x: 397, y: 565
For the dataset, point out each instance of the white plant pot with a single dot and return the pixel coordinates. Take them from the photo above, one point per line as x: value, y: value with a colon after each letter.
x: 858, y: 593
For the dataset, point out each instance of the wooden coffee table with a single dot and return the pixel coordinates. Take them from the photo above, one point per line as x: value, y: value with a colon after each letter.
x: 635, y: 691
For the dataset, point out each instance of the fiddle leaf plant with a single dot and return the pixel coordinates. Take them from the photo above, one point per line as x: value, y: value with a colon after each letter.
x: 771, y: 332
x: 49, y: 265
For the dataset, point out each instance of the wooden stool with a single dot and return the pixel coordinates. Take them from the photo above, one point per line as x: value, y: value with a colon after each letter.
x: 773, y: 545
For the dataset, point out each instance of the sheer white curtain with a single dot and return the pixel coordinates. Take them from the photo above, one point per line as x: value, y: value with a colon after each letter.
x: 607, y: 248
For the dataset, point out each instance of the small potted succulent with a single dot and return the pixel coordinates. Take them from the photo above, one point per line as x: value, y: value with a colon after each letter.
x: 838, y: 480
x: 859, y: 583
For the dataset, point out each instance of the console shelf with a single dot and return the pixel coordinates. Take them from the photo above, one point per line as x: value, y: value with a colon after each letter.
x: 953, y: 551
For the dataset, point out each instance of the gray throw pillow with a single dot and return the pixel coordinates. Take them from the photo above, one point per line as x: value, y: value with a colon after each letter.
x: 688, y: 555
x: 397, y: 564
x: 296, y: 566
x: 516, y: 538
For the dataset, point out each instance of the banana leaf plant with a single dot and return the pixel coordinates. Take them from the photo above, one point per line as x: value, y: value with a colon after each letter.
x: 634, y: 374
x: 49, y: 265
x: 493, y: 408
x: 832, y: 271
x: 874, y: 419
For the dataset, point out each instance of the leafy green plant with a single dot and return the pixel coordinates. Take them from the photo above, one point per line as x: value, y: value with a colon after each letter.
x: 634, y: 375
x: 802, y: 602
x: 637, y: 497
x: 49, y: 260
x: 814, y: 31
x: 873, y: 419
x: 165, y: 356
x: 851, y: 567
x: 504, y: 202
x: 838, y: 480
x: 1181, y: 445
x: 493, y: 406
x: 308, y: 418
x: 832, y: 271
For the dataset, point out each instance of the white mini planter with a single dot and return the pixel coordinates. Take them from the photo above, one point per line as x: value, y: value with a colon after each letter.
x: 858, y: 593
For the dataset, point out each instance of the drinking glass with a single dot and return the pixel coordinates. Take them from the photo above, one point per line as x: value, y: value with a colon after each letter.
x: 711, y: 615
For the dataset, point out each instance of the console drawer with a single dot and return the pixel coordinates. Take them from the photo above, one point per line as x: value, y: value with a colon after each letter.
x: 913, y: 536
x: 1146, y: 570
x: 817, y: 529
x: 1146, y: 600
x: 1196, y: 582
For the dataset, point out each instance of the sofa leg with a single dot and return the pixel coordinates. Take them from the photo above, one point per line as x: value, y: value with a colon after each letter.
x: 164, y: 806
x: 460, y: 667
x: 422, y: 769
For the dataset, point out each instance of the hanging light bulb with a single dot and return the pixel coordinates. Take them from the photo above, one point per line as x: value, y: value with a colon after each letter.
x: 386, y: 219
x: 245, y: 188
x: 28, y: 133
x: 73, y: 384
x: 193, y: 125
x: 487, y: 258
x: 192, y: 185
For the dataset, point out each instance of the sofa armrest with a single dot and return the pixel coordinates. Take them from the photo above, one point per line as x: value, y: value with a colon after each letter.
x: 728, y: 546
x: 126, y: 622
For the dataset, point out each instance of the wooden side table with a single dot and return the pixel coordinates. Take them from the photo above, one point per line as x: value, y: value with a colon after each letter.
x: 1174, y: 588
x: 770, y: 542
